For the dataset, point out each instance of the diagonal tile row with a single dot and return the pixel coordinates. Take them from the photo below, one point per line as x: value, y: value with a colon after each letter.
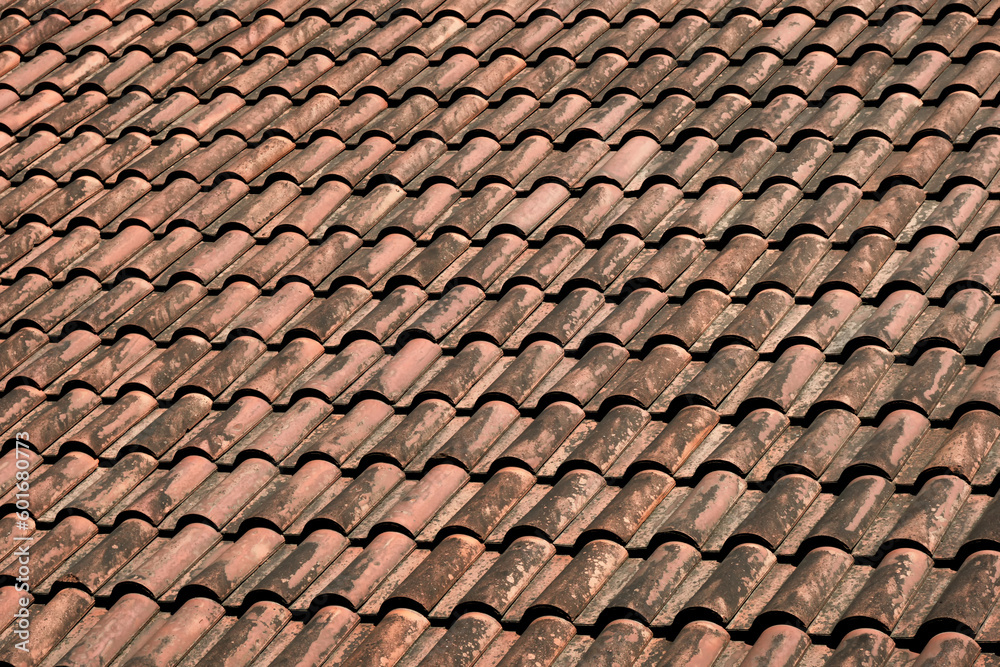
x: 838, y: 353
x: 947, y: 517
x: 492, y: 55
x: 811, y: 184
x: 337, y: 636
x: 58, y: 284
x: 748, y: 592
x: 867, y: 413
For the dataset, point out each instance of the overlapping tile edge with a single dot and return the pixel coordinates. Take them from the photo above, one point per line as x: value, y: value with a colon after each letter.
x: 502, y: 332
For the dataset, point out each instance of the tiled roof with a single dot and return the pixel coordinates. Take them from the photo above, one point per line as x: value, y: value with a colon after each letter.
x: 501, y: 332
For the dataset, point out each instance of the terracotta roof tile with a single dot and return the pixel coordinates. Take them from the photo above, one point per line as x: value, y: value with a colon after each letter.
x: 501, y: 332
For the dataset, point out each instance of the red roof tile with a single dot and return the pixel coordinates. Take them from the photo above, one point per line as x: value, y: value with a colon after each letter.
x: 500, y: 332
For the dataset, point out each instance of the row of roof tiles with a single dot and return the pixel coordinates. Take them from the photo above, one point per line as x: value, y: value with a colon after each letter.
x: 659, y: 375
x: 900, y: 443
x: 869, y: 381
x: 75, y: 182
x: 747, y: 590
x: 936, y: 269
x: 840, y: 240
x: 956, y: 313
x: 338, y: 10
x: 944, y: 518
x: 623, y: 260
x: 829, y: 444
x: 364, y: 91
x: 476, y: 12
x: 837, y: 123
x: 200, y: 632
x: 653, y: 99
x: 794, y: 34
x: 833, y: 201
